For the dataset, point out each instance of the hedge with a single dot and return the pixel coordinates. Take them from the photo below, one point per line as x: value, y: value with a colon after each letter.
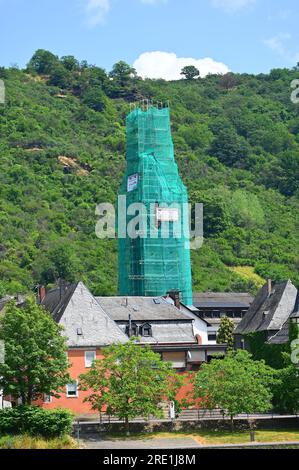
x: 35, y: 421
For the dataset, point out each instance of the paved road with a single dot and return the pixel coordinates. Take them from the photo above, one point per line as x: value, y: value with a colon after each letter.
x: 95, y: 442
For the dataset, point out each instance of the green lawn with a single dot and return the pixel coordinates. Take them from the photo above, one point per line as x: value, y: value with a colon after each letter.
x: 207, y: 437
x: 29, y: 442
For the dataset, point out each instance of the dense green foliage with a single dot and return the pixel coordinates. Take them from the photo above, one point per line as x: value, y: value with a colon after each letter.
x: 36, y: 362
x: 35, y: 421
x: 236, y: 384
x: 130, y: 381
x: 237, y: 147
x: 225, y: 334
x: 279, y: 357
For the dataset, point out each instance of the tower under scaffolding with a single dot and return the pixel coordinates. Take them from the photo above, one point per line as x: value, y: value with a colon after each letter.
x: 153, y: 264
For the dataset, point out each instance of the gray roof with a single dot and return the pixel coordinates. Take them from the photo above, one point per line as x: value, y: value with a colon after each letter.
x: 56, y: 300
x: 269, y: 311
x: 282, y: 336
x: 222, y: 300
x: 167, y: 333
x: 141, y: 309
x: 78, y: 311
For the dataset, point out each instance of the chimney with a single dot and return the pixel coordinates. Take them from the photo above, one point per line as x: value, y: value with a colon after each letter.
x: 175, y: 296
x: 130, y: 326
x: 62, y: 287
x: 41, y: 294
x: 269, y: 287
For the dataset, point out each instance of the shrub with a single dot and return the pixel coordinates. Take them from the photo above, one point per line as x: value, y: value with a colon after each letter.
x: 35, y: 421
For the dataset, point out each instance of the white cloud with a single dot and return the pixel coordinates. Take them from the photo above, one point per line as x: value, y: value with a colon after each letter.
x: 278, y: 44
x: 167, y: 65
x: 232, y: 5
x: 96, y: 10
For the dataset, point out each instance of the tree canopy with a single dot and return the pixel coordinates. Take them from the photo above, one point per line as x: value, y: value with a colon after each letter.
x: 35, y: 353
x: 236, y: 384
x: 190, y: 72
x: 225, y: 334
x: 130, y: 381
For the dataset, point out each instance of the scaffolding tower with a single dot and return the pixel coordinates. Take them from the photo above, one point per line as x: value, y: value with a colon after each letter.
x: 154, y: 265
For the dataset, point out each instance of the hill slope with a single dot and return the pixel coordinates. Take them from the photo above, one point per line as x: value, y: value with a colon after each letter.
x: 62, y: 147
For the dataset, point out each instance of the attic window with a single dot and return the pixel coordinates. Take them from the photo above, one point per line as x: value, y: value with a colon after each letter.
x: 146, y: 330
x: 134, y: 330
x: 79, y: 332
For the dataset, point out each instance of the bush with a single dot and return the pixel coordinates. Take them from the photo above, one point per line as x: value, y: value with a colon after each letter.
x: 35, y: 421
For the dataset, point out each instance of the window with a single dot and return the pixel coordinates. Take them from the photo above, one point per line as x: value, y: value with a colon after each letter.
x: 146, y: 330
x: 90, y: 356
x: 47, y: 398
x: 72, y: 390
x: 134, y: 329
x: 212, y: 336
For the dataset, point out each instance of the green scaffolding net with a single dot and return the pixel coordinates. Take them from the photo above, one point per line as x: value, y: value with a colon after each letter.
x: 158, y: 260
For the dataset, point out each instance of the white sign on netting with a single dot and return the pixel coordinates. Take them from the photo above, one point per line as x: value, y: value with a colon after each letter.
x: 164, y: 214
x: 132, y: 182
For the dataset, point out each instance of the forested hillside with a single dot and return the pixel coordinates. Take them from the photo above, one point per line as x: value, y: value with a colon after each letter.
x: 62, y: 151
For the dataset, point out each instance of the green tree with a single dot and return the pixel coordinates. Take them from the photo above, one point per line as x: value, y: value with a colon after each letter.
x: 246, y: 210
x: 35, y: 353
x: 60, y: 77
x: 58, y: 262
x: 94, y: 98
x: 226, y: 332
x: 130, y: 381
x: 122, y: 73
x: 70, y: 62
x: 43, y: 62
x: 190, y: 72
x: 235, y: 384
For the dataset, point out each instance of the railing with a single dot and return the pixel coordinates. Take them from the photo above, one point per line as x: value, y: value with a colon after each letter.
x: 186, y: 415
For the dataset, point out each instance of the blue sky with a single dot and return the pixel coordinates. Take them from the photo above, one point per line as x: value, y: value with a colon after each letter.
x: 241, y: 35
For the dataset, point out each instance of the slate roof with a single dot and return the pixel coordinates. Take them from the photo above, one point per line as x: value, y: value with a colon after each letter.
x: 269, y: 311
x: 282, y: 336
x: 167, y: 333
x: 56, y: 300
x: 85, y: 322
x: 141, y: 309
x: 222, y: 300
x: 20, y: 299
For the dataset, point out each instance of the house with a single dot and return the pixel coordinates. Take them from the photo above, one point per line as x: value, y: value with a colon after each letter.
x: 92, y: 323
x: 212, y: 306
x: 269, y: 313
x: 88, y: 329
x: 168, y: 328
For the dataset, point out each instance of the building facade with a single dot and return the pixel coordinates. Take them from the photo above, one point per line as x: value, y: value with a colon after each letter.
x: 93, y: 323
x: 212, y: 306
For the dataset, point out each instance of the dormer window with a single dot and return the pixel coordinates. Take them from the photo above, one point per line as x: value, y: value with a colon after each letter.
x: 134, y: 330
x: 146, y: 330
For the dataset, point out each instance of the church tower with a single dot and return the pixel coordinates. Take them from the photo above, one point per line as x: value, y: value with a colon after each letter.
x: 157, y: 261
